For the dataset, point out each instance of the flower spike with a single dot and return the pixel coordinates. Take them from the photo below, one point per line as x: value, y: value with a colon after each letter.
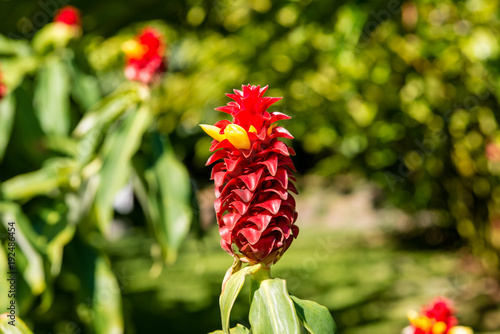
x: 254, y: 208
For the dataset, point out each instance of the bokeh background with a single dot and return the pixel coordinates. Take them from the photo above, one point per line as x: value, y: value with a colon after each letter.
x: 395, y: 118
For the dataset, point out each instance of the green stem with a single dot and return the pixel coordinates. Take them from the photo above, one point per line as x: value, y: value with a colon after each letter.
x: 260, y: 275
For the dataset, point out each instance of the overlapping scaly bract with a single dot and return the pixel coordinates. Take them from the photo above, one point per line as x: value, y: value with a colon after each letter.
x: 147, y: 62
x: 254, y: 208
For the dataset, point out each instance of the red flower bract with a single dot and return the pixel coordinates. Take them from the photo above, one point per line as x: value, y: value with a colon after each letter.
x: 145, y: 60
x: 68, y: 15
x: 254, y: 208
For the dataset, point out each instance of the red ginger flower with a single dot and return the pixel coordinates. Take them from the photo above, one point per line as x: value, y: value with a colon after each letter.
x: 254, y: 209
x: 145, y: 60
x: 68, y: 15
x: 437, y: 318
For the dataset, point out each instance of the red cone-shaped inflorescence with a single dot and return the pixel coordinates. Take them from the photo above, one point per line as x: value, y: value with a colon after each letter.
x: 68, y: 15
x: 254, y: 208
x: 145, y: 57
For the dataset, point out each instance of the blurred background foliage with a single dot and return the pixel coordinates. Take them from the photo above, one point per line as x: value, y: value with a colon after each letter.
x: 403, y: 94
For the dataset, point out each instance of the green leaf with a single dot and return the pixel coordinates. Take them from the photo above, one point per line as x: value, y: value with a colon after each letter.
x: 315, y: 318
x: 7, y: 328
x: 4, y: 268
x: 100, y: 303
x: 106, y: 301
x: 239, y: 329
x: 108, y: 109
x: 13, y: 46
x: 85, y: 88
x: 26, y: 238
x: 7, y: 112
x: 272, y: 309
x: 169, y: 194
x: 52, y: 97
x: 40, y: 182
x: 118, y: 150
x: 231, y: 290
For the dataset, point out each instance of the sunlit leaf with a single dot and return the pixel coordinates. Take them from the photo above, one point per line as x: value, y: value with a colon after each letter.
x: 40, y: 182
x: 106, y: 300
x: 26, y: 240
x: 85, y: 88
x: 169, y: 195
x: 315, y: 318
x: 272, y: 310
x: 108, y: 109
x: 11, y: 326
x: 52, y: 97
x: 239, y: 329
x: 231, y: 290
x: 117, y: 152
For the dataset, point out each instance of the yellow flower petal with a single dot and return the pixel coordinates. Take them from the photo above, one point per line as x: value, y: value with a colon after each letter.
x: 252, y: 129
x: 237, y: 136
x: 213, y: 132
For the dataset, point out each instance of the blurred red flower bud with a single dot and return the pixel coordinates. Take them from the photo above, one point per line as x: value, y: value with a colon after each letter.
x: 145, y: 60
x: 68, y: 15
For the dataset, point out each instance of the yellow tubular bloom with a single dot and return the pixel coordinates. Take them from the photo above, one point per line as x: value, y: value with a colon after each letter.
x: 252, y: 129
x: 460, y: 330
x: 133, y: 49
x: 237, y: 136
x: 439, y: 328
x: 213, y: 132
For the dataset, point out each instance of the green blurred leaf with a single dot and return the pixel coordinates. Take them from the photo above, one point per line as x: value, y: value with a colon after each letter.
x: 9, y: 45
x: 52, y: 97
x: 315, y: 318
x: 18, y: 327
x: 169, y: 194
x: 7, y: 111
x: 58, y: 235
x: 4, y: 267
x: 52, y: 36
x: 40, y: 182
x: 231, y: 290
x: 108, y: 109
x: 106, y: 301
x: 27, y: 241
x: 118, y: 150
x: 239, y: 329
x: 85, y: 88
x: 272, y: 310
